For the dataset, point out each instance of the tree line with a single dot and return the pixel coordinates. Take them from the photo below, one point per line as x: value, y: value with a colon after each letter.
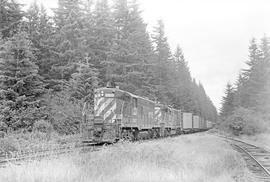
x: 246, y: 104
x: 50, y: 65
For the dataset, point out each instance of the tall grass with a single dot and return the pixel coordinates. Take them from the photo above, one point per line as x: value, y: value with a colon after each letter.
x: 262, y: 139
x: 193, y: 158
x: 17, y: 144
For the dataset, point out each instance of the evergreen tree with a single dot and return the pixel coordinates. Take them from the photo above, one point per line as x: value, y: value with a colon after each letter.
x: 227, y: 102
x: 21, y: 86
x: 10, y: 17
x: 181, y: 81
x: 40, y: 30
x: 132, y: 49
x: 98, y: 35
x: 252, y: 85
x: 161, y: 60
x: 67, y: 40
x: 83, y: 83
x: 264, y: 95
x: 240, y: 92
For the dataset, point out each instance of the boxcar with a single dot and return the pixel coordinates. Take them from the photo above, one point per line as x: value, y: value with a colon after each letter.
x: 196, y: 123
x: 175, y: 121
x: 209, y: 124
x: 202, y: 124
x: 187, y: 122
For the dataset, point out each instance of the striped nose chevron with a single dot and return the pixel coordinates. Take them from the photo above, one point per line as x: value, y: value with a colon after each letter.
x: 105, y: 107
x: 157, y: 113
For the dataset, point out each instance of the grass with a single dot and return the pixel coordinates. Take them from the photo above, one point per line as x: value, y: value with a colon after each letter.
x: 19, y: 143
x: 262, y: 139
x: 191, y: 158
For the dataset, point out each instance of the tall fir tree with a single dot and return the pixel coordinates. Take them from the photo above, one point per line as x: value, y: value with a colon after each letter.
x: 264, y: 96
x: 161, y: 59
x: 181, y: 81
x: 21, y: 86
x: 40, y: 29
x: 10, y: 17
x: 227, y: 102
x: 252, y: 75
x: 83, y: 83
x: 132, y: 49
x: 67, y: 40
x: 98, y: 37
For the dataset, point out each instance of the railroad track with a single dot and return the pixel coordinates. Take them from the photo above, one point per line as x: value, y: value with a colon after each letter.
x: 257, y: 158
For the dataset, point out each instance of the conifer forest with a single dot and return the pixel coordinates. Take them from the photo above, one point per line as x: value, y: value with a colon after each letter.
x: 50, y: 64
x: 246, y: 103
x: 134, y: 90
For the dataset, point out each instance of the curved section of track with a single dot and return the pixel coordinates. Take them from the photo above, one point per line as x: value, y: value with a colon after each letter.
x: 257, y: 158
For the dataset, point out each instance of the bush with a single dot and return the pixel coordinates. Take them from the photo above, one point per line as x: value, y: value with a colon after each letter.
x: 65, y: 114
x: 3, y: 126
x: 8, y: 145
x: 43, y: 126
x: 245, y: 121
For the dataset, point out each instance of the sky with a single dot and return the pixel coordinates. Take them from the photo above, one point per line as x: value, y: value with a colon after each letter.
x: 214, y: 34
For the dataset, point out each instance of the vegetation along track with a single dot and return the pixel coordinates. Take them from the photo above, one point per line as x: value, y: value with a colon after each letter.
x: 257, y: 158
x: 18, y: 158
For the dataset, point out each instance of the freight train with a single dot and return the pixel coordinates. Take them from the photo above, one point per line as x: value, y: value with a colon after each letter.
x: 122, y: 115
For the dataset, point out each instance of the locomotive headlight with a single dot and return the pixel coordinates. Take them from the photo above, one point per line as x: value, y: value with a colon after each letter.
x: 99, y: 129
x: 102, y: 93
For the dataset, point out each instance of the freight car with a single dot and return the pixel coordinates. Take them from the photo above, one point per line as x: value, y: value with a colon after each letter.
x: 187, y: 120
x: 196, y: 123
x: 122, y: 115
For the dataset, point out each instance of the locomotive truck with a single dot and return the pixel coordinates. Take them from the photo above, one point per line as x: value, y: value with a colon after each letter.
x: 122, y: 115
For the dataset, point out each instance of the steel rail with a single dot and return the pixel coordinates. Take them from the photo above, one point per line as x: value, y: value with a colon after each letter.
x: 249, y: 154
x: 254, y: 159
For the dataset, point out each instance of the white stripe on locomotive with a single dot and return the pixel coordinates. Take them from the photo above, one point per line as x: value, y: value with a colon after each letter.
x: 102, y: 101
x: 99, y: 100
x: 157, y: 112
x: 103, y: 106
x: 111, y: 110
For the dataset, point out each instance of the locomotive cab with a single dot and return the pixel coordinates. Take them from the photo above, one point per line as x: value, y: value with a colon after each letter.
x: 105, y: 121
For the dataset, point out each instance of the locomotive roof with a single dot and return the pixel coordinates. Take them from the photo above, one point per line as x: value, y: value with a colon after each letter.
x: 132, y: 95
x: 136, y: 96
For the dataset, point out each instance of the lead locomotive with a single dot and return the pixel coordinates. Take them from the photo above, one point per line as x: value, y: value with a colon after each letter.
x: 121, y: 115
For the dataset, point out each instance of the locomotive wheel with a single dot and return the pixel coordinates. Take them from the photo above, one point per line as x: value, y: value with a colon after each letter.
x: 135, y: 134
x: 150, y: 134
x: 127, y: 135
x: 156, y: 133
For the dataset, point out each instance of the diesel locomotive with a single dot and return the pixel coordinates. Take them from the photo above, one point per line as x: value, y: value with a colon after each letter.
x: 122, y: 115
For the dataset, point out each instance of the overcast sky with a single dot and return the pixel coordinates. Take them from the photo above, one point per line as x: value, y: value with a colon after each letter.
x: 214, y: 34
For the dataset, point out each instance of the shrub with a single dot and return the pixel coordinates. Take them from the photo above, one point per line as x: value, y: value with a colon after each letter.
x: 245, y: 121
x: 3, y: 126
x: 8, y: 145
x: 43, y: 126
x: 65, y: 114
